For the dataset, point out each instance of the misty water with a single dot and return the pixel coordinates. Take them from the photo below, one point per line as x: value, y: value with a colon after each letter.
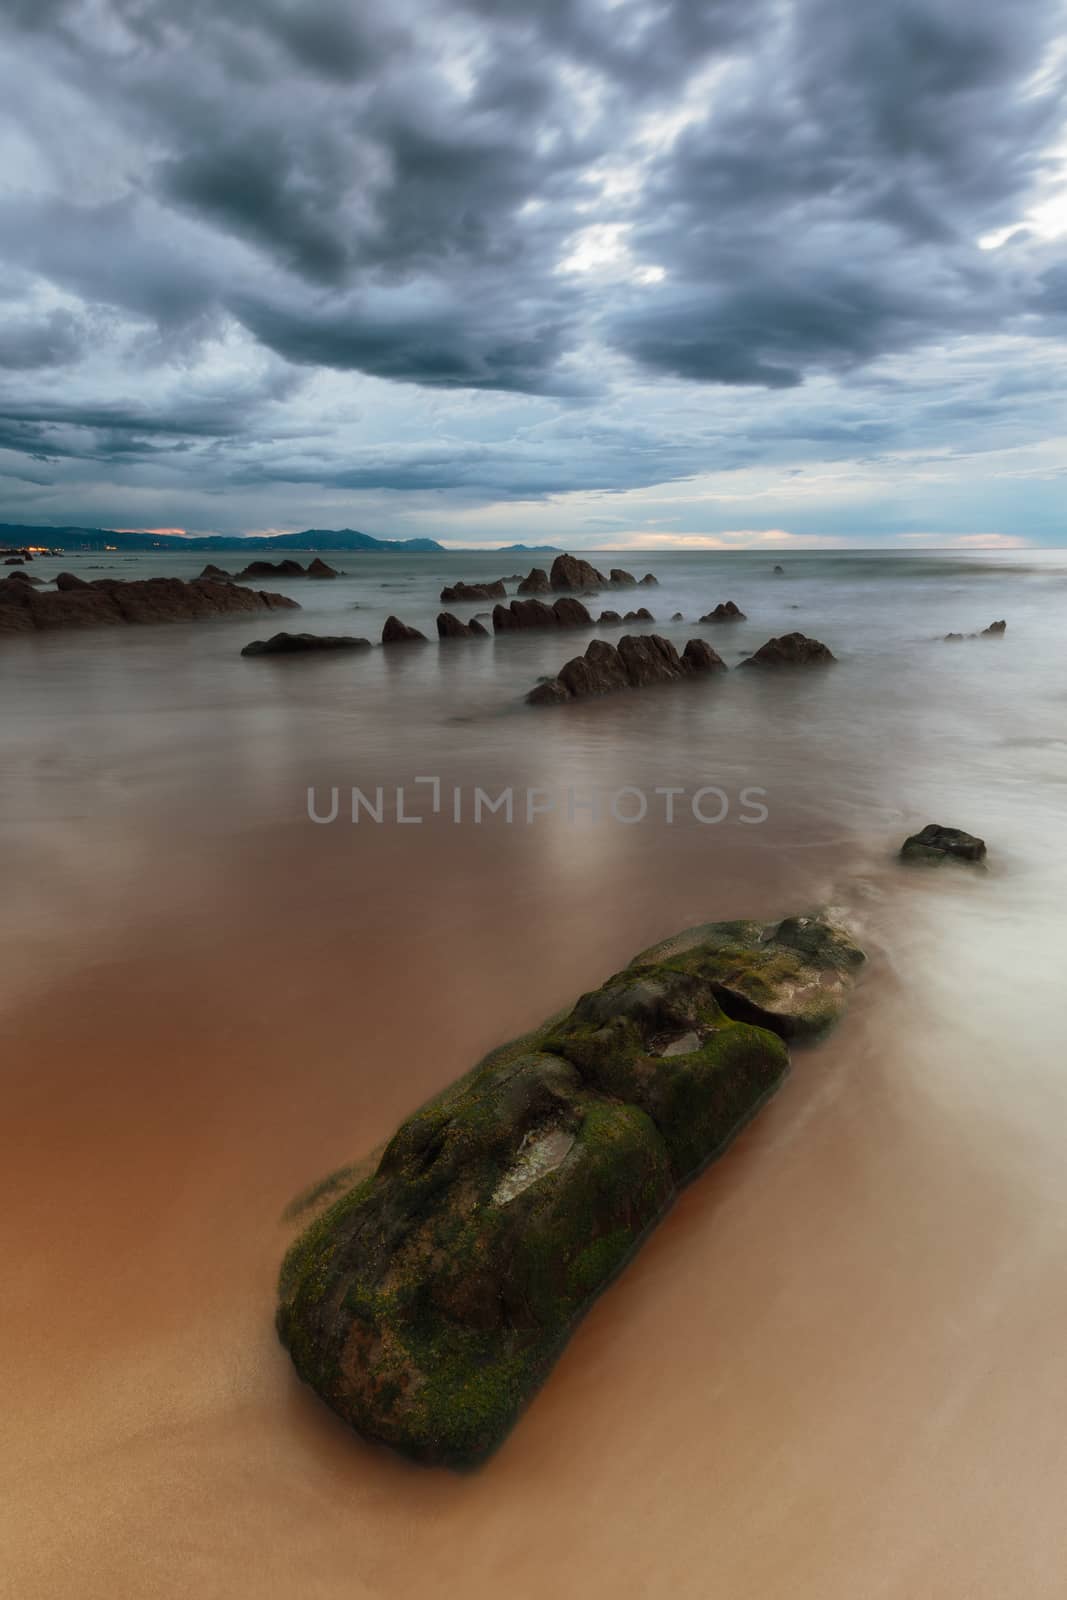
x: 836, y: 1369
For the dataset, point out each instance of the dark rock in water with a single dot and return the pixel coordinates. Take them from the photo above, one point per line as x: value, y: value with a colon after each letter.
x: 779, y: 569
x: 609, y: 617
x: 698, y: 656
x: 994, y: 630
x: 726, y: 611
x: 643, y: 614
x: 650, y: 582
x: 569, y: 572
x: 791, y: 650
x: 494, y: 590
x: 565, y: 612
x: 290, y: 644
x: 677, y: 617
x: 320, y: 569
x: 535, y: 582
x: 272, y: 569
x: 640, y: 659
x: 77, y: 604
x: 619, y: 578
x: 211, y: 571
x: 570, y: 613
x: 936, y: 844
x: 450, y: 627
x: 429, y: 1301
x: 15, y: 561
x: 23, y: 578
x: 397, y: 632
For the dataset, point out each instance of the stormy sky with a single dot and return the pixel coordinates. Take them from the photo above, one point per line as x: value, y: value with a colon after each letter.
x: 615, y: 272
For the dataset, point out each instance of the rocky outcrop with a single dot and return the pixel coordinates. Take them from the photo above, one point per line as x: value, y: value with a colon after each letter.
x: 321, y: 569
x: 77, y: 604
x: 535, y: 582
x: 272, y: 569
x: 791, y: 650
x: 15, y: 561
x: 677, y: 617
x: 431, y: 1298
x: 211, y: 571
x: 609, y: 617
x: 397, y: 632
x: 725, y: 611
x: 936, y: 844
x: 642, y: 614
x: 994, y: 631
x: 621, y: 579
x: 450, y: 627
x: 649, y: 582
x: 565, y: 612
x: 475, y: 591
x: 569, y: 572
x: 639, y: 660
x: 290, y: 644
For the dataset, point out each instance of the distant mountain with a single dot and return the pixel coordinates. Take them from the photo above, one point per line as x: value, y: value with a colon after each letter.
x: 17, y: 534
x: 529, y: 550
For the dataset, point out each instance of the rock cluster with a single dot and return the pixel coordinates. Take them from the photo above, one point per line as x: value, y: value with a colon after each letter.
x: 450, y: 627
x: 566, y: 612
x: 77, y: 604
x: 639, y: 660
x: 725, y: 611
x: 429, y: 1301
x: 277, y: 569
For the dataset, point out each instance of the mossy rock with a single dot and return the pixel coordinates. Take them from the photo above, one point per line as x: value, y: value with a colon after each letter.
x: 429, y: 1300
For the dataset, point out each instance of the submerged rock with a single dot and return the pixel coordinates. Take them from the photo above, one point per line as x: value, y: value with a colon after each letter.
x: 289, y: 644
x: 494, y: 590
x: 566, y: 612
x: 640, y: 659
x: 725, y: 611
x: 935, y: 844
x: 649, y: 581
x: 994, y: 630
x: 429, y: 1301
x: 791, y: 650
x: 397, y: 632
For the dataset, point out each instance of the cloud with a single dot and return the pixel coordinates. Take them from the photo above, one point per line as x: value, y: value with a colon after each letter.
x: 496, y: 252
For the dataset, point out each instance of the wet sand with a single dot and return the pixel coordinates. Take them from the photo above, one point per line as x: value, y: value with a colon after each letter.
x: 836, y: 1370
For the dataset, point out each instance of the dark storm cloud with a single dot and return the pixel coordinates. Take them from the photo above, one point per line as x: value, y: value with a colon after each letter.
x: 405, y: 195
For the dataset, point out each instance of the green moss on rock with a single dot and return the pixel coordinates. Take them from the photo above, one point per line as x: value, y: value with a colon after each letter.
x: 429, y: 1300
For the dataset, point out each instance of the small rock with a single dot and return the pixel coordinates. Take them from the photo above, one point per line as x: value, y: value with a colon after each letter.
x: 725, y: 611
x: 935, y: 844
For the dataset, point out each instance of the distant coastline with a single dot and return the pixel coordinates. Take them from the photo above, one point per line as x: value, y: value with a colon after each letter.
x: 20, y: 536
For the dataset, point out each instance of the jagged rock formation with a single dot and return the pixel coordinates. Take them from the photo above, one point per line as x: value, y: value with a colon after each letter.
x: 639, y: 660
x: 397, y: 632
x: 108, y: 601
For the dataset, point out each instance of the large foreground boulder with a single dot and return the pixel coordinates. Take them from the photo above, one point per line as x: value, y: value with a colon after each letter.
x: 430, y: 1300
x: 77, y: 604
x: 639, y: 660
x: 936, y: 844
x: 791, y: 650
x: 290, y: 644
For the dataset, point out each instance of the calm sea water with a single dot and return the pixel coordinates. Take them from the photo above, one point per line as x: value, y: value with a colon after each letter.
x: 838, y: 1368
